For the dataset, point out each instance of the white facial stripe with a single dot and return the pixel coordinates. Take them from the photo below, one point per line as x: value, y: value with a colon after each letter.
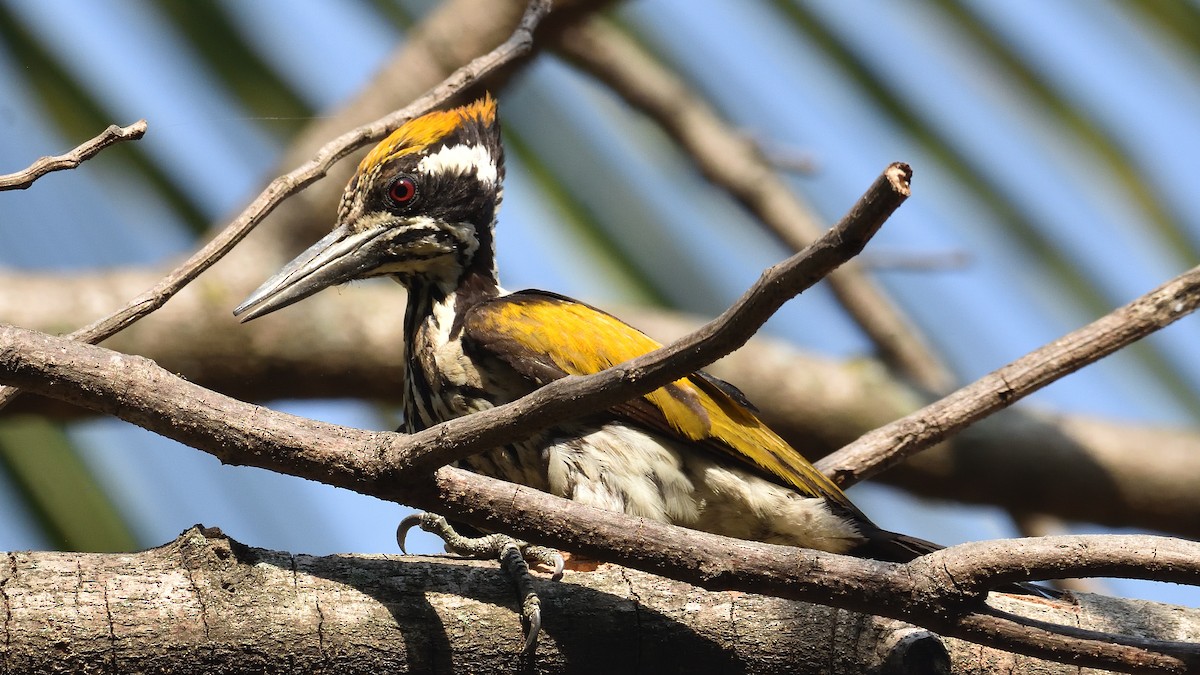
x: 461, y: 159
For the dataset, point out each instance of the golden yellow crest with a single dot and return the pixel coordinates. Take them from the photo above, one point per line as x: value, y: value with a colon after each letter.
x: 422, y: 132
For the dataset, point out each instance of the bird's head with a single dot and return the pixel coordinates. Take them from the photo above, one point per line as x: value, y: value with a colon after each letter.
x: 420, y: 207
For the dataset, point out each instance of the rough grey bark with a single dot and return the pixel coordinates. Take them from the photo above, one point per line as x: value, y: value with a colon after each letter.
x: 204, y: 603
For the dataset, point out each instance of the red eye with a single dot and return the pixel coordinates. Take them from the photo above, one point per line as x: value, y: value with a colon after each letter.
x: 402, y: 191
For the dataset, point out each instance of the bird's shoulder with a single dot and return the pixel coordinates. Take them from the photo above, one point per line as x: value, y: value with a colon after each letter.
x: 571, y: 336
x: 544, y: 336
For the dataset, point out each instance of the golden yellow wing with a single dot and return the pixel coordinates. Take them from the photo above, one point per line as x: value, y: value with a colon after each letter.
x: 543, y: 337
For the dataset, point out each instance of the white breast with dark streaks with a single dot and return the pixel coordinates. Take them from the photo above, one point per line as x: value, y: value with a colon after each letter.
x: 445, y: 366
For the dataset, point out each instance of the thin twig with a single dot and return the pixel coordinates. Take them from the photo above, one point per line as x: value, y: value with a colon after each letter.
x: 729, y: 160
x: 288, y: 184
x: 85, y: 151
x: 890, y: 444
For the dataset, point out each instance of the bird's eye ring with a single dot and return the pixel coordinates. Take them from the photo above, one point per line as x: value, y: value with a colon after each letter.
x: 402, y: 192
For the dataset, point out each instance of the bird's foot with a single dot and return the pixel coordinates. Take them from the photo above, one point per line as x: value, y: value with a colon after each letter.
x: 512, y: 554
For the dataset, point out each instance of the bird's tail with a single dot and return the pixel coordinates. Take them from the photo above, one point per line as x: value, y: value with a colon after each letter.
x: 901, y: 548
x: 893, y: 547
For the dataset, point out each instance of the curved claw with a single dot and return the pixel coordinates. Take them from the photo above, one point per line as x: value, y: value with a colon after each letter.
x: 409, y: 522
x: 544, y: 555
x: 533, y: 616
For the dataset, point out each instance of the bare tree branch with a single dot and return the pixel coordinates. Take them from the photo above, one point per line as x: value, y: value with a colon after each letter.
x: 976, y: 566
x: 890, y: 444
x: 282, y: 187
x: 136, y: 390
x: 69, y: 160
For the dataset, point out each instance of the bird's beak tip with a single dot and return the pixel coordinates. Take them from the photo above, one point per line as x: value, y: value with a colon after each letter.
x: 252, y: 307
x: 329, y: 261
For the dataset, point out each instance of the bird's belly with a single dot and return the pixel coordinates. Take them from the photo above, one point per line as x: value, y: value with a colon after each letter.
x: 621, y: 468
x: 740, y: 504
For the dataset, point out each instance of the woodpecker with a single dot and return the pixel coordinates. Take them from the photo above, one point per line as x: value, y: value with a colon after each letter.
x: 422, y: 209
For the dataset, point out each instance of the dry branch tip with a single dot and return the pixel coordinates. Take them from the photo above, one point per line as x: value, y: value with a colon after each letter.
x: 114, y: 134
